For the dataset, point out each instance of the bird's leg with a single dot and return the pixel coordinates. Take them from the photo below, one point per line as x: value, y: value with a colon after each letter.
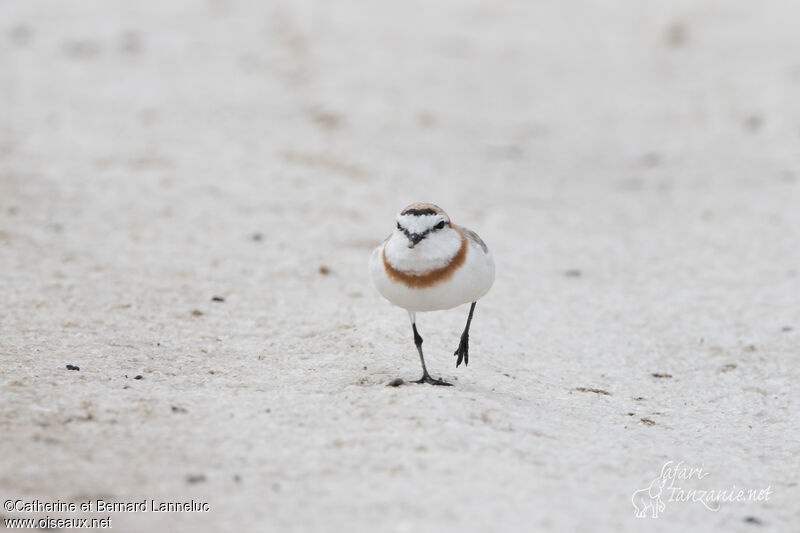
x: 463, y: 347
x: 426, y: 378
x: 418, y: 343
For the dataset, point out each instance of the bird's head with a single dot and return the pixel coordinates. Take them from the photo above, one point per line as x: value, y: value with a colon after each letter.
x: 418, y: 222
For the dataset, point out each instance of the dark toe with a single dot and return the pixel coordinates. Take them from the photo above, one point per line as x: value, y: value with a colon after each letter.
x: 430, y: 381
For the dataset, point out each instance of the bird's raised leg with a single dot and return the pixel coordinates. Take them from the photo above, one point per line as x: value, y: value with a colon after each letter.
x: 426, y: 378
x: 463, y: 347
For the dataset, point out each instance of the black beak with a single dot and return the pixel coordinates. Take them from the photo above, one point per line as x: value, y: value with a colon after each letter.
x: 414, y: 239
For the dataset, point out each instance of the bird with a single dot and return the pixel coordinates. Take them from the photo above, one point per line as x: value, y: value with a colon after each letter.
x: 429, y: 263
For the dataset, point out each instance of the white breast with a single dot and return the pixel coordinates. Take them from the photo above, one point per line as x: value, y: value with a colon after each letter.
x: 468, y: 283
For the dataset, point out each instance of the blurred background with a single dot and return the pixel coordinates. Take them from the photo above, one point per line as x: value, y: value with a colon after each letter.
x: 635, y: 168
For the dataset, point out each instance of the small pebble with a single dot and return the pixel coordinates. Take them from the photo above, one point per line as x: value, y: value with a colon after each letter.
x: 395, y: 382
x: 661, y: 375
x: 651, y: 159
x: 324, y: 270
x: 217, y: 298
x: 753, y: 123
x: 195, y: 478
x: 73, y: 367
x: 197, y: 312
x: 21, y: 35
x: 131, y: 42
x: 677, y: 34
x: 596, y: 391
x: 138, y: 376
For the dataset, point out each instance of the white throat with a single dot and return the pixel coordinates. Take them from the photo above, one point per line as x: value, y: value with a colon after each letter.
x: 436, y: 250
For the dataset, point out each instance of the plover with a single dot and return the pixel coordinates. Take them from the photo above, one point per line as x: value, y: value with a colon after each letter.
x: 429, y: 264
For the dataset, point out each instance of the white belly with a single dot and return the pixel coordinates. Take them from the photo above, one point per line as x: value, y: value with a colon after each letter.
x: 468, y: 283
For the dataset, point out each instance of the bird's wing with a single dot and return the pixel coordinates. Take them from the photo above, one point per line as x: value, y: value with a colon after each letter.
x: 472, y: 236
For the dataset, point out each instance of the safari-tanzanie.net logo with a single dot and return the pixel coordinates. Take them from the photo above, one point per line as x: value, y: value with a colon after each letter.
x: 677, y: 483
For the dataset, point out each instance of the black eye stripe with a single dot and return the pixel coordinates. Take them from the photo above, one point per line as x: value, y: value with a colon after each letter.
x: 440, y: 225
x: 419, y: 211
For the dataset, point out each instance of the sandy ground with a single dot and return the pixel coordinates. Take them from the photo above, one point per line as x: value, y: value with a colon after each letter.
x: 636, y: 171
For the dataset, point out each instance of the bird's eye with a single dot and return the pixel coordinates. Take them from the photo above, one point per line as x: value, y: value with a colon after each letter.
x: 440, y: 225
x: 398, y: 226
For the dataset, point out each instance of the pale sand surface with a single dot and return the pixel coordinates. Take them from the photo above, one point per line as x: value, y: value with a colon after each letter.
x: 635, y: 169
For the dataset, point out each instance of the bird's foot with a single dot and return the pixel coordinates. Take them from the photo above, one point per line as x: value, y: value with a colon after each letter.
x: 462, y: 351
x: 426, y: 378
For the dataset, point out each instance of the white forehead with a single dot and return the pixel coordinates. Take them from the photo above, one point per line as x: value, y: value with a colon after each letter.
x: 419, y: 223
